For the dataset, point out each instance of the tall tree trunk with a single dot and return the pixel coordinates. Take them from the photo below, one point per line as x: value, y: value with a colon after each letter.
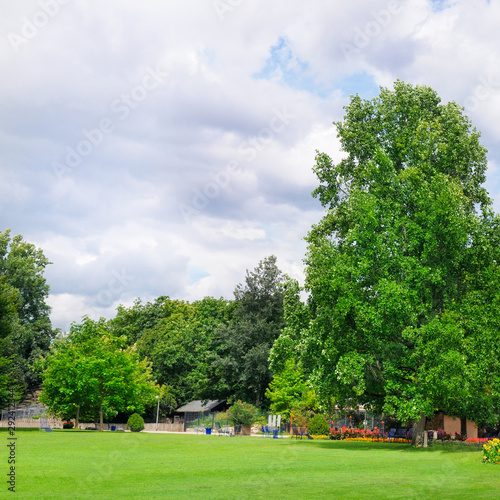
x: 101, y: 397
x: 77, y: 419
x: 418, y: 438
x: 101, y: 420
x: 463, y: 427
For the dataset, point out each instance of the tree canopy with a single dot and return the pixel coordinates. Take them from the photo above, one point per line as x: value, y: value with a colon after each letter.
x: 94, y: 372
x: 25, y: 328
x: 241, y: 355
x: 180, y: 344
x: 402, y: 270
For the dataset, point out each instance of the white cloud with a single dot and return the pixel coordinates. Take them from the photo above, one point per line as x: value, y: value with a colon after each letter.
x: 210, y: 127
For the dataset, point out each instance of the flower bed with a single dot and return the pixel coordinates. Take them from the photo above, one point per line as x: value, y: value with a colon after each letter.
x: 349, y: 434
x: 491, y: 451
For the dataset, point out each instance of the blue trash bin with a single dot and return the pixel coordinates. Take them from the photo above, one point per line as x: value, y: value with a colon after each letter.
x: 208, y: 430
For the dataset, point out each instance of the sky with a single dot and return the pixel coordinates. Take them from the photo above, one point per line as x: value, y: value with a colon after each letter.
x: 164, y: 148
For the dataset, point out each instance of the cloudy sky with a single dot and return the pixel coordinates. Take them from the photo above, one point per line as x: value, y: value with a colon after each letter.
x: 162, y: 148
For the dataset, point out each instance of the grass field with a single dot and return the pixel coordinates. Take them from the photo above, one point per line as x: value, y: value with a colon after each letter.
x: 70, y: 464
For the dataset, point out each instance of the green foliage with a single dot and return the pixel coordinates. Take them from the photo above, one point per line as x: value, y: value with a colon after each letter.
x: 318, y: 425
x: 300, y: 415
x: 68, y: 425
x: 168, y: 403
x: 25, y: 329
x: 135, y: 422
x: 402, y: 271
x: 179, y: 342
x: 221, y: 417
x: 212, y: 348
x: 296, y: 319
x: 289, y: 389
x: 241, y: 413
x: 241, y: 352
x: 95, y: 372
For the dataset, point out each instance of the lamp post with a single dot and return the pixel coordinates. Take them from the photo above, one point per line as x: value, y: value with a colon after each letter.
x: 157, y: 411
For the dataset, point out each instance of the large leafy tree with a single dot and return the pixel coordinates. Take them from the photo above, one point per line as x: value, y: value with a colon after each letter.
x: 25, y: 328
x: 8, y: 316
x: 180, y: 343
x: 134, y: 321
x: 241, y: 354
x: 403, y: 268
x: 95, y: 372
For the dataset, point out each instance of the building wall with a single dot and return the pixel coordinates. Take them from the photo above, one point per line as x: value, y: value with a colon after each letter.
x: 471, y: 430
x: 451, y: 425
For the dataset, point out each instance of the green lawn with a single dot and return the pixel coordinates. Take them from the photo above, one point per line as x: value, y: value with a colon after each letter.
x: 109, y: 465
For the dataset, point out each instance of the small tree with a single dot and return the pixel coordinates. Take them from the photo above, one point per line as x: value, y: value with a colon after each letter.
x: 289, y: 389
x: 135, y: 422
x: 95, y: 371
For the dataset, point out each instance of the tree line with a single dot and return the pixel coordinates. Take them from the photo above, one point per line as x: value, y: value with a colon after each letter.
x: 173, y: 349
x: 402, y: 284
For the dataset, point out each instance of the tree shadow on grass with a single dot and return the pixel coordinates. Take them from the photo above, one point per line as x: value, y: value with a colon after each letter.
x: 401, y: 447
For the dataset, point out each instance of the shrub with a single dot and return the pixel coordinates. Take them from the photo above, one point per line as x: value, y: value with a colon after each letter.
x: 491, y: 451
x: 221, y: 418
x: 318, y: 425
x: 203, y: 422
x: 68, y: 425
x: 135, y: 422
x: 261, y: 420
x: 336, y: 435
x: 446, y: 436
x: 242, y: 413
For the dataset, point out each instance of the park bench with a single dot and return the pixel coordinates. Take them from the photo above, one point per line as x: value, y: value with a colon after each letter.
x: 44, y: 425
x: 198, y: 428
x: 401, y: 434
x: 265, y: 431
x: 299, y: 432
x: 305, y: 432
x: 223, y: 431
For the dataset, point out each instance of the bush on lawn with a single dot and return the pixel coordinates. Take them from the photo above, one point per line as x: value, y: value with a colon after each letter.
x: 318, y: 425
x: 135, y: 422
x: 68, y: 425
